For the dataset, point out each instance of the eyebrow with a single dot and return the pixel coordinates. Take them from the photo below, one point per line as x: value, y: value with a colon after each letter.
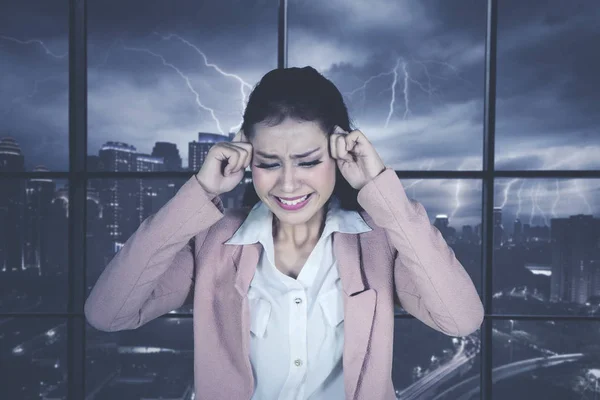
x: 294, y: 156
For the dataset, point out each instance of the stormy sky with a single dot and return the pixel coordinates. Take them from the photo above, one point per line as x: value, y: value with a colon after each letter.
x: 411, y: 72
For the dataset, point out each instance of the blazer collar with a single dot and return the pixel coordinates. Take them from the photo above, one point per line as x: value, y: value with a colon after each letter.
x: 258, y: 225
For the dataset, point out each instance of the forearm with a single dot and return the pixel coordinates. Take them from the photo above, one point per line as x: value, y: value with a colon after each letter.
x: 154, y: 269
x: 425, y: 266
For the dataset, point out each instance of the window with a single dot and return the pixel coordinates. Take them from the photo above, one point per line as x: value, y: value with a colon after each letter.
x: 484, y: 109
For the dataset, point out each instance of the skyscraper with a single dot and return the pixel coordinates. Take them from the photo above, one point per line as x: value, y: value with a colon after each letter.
x: 12, y: 207
x: 197, y: 151
x: 39, y: 196
x: 118, y: 195
x: 575, y: 242
x: 169, y: 153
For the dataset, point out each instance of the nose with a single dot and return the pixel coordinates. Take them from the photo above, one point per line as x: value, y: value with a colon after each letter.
x: 289, y: 181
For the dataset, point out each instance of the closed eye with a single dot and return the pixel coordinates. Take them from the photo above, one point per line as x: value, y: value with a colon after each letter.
x: 303, y: 164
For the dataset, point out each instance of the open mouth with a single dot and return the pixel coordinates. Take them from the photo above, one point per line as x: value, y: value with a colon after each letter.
x: 295, y: 204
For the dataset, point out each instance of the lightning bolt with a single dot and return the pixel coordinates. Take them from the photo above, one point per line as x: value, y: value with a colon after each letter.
x: 243, y: 84
x: 363, y: 87
x: 457, y: 192
x: 535, y: 197
x: 401, y: 73
x: 35, y: 41
x: 533, y: 206
x: 576, y: 184
x: 556, y: 199
x: 187, y: 81
x: 506, y: 190
x: 570, y: 160
x: 36, y: 82
x: 519, y: 199
x: 245, y: 87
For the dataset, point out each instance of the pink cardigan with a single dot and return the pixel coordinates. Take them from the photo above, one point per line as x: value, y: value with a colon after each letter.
x: 177, y: 256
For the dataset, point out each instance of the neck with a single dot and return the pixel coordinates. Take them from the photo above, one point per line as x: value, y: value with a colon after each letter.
x: 299, y: 235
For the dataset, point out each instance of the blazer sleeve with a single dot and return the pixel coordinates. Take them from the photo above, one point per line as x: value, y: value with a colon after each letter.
x: 153, y: 273
x: 429, y: 281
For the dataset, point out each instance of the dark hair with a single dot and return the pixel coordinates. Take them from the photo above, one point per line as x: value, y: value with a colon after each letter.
x: 302, y: 94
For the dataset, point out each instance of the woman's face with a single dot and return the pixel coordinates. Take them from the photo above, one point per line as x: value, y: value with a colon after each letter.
x: 281, y: 167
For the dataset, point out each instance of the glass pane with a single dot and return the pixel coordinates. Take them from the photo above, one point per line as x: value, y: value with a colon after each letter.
x: 546, y: 246
x: 33, y: 245
x: 154, y: 361
x: 34, y: 85
x: 555, y: 360
x: 547, y: 87
x: 33, y: 362
x: 164, y: 82
x: 454, y: 208
x: 411, y: 73
x: 430, y: 365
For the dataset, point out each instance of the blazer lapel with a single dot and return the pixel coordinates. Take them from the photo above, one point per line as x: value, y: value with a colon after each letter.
x: 359, y: 308
x: 244, y: 272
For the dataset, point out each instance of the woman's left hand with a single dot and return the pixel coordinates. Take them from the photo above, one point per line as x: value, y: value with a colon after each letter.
x: 356, y: 157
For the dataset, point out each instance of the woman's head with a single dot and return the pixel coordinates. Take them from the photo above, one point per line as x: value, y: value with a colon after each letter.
x: 293, y: 111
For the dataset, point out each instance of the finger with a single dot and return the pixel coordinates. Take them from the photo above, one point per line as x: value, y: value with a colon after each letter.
x: 245, y: 150
x: 332, y: 146
x: 241, y: 164
x: 232, y: 158
x: 339, y: 130
x: 240, y: 137
x: 244, y: 138
x: 341, y: 148
x: 354, y: 139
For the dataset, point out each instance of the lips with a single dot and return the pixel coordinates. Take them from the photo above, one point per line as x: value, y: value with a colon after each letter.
x: 291, y: 198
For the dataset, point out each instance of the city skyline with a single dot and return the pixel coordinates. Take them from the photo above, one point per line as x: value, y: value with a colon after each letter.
x: 528, y: 212
x: 159, y: 75
x: 412, y: 79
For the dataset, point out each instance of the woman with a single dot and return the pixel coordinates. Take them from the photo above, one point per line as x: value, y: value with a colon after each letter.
x: 293, y: 297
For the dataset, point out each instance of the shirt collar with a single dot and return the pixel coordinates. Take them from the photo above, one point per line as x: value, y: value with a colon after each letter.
x: 257, y: 227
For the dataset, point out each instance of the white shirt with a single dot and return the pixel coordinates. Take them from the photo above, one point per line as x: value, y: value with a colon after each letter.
x: 297, y: 328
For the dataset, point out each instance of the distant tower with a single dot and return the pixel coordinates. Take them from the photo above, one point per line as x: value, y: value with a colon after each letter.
x: 38, y: 229
x: 170, y: 155
x: 197, y: 151
x: 12, y: 207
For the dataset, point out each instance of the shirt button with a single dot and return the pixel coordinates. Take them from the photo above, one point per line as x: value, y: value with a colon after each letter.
x: 298, y: 300
x: 298, y: 362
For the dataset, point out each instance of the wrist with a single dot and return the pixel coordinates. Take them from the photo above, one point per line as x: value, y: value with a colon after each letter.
x: 210, y: 194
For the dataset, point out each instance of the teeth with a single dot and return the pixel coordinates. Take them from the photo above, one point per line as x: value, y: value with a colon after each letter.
x: 291, y: 203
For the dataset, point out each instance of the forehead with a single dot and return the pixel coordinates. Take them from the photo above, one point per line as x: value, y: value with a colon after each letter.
x: 290, y: 136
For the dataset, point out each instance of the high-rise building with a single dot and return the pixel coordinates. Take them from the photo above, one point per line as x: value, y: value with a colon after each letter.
x: 170, y: 155
x: 148, y: 191
x: 518, y: 231
x: 118, y: 157
x: 39, y: 196
x: 11, y: 157
x: 197, y: 151
x: 12, y: 207
x: 118, y: 195
x: 575, y: 258
x: 148, y: 163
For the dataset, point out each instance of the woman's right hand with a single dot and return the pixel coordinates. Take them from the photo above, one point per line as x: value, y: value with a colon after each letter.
x: 223, y: 168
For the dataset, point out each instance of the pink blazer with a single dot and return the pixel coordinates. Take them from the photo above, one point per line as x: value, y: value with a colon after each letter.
x: 177, y: 256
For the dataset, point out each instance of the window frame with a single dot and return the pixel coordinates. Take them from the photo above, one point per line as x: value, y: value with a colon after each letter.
x: 78, y: 176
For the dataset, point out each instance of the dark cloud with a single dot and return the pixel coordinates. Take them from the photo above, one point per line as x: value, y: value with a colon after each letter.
x: 547, y: 74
